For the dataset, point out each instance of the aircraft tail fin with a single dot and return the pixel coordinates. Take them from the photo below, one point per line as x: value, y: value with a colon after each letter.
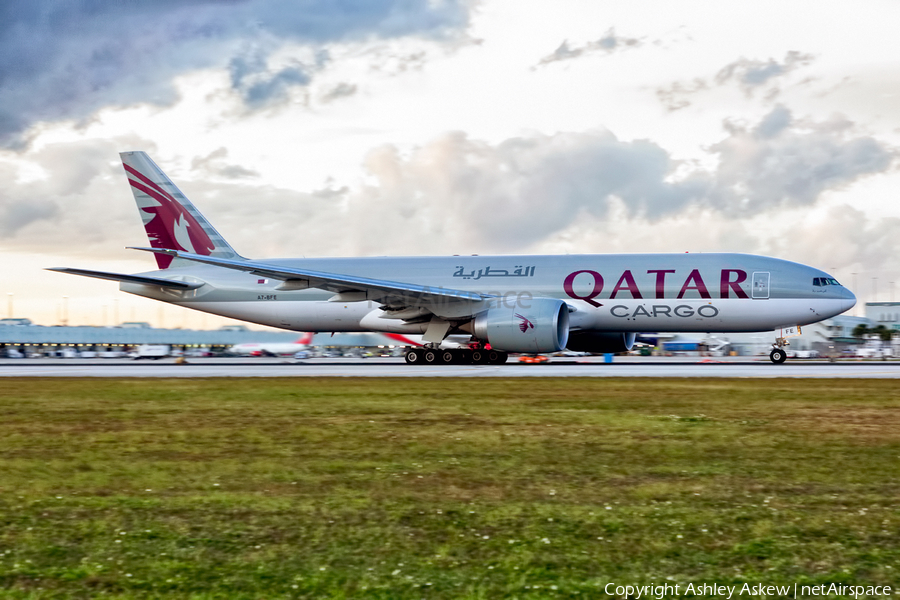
x: 170, y: 219
x: 305, y: 339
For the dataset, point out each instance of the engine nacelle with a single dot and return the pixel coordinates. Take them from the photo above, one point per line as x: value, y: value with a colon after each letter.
x: 600, y: 342
x: 542, y: 327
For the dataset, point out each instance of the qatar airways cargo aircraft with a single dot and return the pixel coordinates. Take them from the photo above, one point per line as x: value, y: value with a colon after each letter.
x: 534, y: 304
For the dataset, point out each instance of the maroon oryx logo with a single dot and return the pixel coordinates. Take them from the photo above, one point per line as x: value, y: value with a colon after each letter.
x: 525, y: 325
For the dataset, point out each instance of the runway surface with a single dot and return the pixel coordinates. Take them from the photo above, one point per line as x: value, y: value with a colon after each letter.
x: 395, y: 367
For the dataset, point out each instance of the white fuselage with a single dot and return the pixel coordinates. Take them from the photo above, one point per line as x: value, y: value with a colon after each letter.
x: 627, y: 292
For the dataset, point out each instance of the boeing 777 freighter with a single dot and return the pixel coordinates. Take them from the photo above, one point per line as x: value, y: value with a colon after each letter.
x: 534, y: 304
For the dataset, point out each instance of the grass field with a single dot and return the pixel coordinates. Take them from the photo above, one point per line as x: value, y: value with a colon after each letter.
x: 418, y: 488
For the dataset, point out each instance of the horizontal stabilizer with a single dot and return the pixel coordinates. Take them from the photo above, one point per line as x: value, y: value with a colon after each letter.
x: 155, y: 281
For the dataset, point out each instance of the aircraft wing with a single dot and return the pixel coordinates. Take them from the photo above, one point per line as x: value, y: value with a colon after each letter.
x: 143, y: 280
x: 380, y: 290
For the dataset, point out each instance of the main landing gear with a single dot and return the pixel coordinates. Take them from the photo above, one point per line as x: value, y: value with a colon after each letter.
x: 454, y: 356
x: 778, y: 355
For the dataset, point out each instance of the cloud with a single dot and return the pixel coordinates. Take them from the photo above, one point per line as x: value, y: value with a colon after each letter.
x: 520, y: 191
x: 845, y: 236
x: 675, y: 96
x: 608, y: 43
x: 65, y: 60
x: 259, y: 85
x: 525, y: 191
x: 341, y: 90
x: 750, y: 76
x: 214, y: 164
x: 461, y: 195
x: 17, y: 213
x: 784, y: 162
x: 61, y: 209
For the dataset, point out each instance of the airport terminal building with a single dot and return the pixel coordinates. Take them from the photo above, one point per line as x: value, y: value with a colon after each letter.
x: 22, y: 334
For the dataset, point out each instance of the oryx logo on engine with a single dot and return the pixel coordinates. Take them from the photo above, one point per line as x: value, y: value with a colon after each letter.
x: 525, y: 325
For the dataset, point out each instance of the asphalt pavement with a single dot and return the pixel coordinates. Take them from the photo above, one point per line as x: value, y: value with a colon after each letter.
x: 631, y: 366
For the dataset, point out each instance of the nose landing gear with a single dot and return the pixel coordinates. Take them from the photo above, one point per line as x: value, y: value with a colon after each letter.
x: 778, y: 355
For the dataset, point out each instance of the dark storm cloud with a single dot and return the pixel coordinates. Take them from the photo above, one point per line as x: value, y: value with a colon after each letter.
x: 65, y: 59
x: 609, y: 42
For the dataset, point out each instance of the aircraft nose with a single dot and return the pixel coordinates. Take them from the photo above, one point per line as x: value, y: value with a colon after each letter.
x: 849, y: 300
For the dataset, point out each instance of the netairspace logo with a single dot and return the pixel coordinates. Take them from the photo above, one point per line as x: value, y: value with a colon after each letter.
x: 748, y: 589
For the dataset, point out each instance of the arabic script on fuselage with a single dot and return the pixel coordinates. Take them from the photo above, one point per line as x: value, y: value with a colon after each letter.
x: 518, y: 271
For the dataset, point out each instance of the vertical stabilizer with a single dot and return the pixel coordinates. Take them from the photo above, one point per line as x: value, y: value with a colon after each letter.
x: 171, y: 221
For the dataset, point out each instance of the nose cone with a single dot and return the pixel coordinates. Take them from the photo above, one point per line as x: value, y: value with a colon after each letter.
x: 849, y: 300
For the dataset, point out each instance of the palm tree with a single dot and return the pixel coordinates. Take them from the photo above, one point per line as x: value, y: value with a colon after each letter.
x: 883, y: 332
x: 860, y: 331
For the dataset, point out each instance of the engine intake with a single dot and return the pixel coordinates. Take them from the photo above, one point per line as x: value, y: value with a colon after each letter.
x: 600, y: 342
x: 542, y: 327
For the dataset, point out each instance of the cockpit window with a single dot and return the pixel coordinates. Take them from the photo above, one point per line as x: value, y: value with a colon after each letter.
x: 820, y: 281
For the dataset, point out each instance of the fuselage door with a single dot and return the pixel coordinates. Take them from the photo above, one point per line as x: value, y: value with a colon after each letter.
x: 760, y: 284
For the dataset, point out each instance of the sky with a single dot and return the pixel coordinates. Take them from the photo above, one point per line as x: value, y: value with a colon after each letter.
x: 438, y: 127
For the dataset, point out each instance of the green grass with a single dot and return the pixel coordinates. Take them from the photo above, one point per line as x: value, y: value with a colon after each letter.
x: 417, y: 488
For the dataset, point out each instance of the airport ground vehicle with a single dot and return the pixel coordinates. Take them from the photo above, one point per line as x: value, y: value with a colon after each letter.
x: 532, y: 304
x: 151, y: 351
x: 533, y: 359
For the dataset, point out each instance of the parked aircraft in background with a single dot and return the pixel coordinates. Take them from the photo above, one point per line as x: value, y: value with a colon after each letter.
x: 305, y: 341
x: 531, y: 304
x: 273, y: 348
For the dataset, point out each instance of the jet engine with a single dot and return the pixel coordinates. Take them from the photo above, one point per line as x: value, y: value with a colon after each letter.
x: 600, y: 342
x: 542, y: 327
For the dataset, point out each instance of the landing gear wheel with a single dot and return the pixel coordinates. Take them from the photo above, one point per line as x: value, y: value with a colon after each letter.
x: 429, y: 357
x: 497, y: 358
x: 777, y: 356
x: 448, y: 357
x: 413, y: 357
x: 478, y: 357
